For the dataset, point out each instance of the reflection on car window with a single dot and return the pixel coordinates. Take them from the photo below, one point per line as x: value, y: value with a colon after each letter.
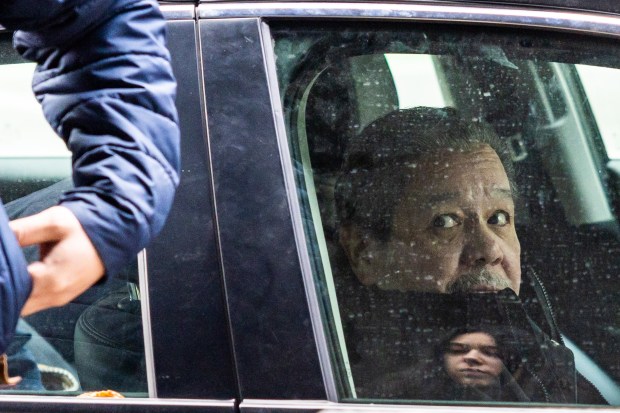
x: 95, y: 342
x: 602, y: 86
x: 417, y: 71
x: 459, y: 210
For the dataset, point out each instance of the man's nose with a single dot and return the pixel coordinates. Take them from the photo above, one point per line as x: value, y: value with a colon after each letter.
x: 482, y: 247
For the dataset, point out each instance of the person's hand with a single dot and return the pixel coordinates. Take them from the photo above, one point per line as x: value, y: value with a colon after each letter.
x: 69, y: 263
x: 7, y: 381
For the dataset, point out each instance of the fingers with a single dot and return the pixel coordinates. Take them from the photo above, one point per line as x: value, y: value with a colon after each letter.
x: 69, y: 264
x: 48, y: 225
x: 56, y: 283
x: 5, y: 379
x: 32, y: 307
x: 41, y: 297
x: 10, y: 382
x: 52, y: 286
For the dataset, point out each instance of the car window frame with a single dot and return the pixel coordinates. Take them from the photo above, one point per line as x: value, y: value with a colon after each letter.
x: 262, y: 273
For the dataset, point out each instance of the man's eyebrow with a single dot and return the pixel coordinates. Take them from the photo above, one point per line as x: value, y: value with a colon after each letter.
x: 503, y: 193
x: 442, y: 197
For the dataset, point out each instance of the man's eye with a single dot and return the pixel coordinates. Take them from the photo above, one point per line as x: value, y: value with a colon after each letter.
x: 499, y: 218
x: 445, y: 221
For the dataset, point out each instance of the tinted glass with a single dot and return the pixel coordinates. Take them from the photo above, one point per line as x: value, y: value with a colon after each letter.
x: 460, y: 208
x: 94, y: 342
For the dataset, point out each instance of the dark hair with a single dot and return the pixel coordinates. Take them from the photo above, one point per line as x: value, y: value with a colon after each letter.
x: 376, y: 162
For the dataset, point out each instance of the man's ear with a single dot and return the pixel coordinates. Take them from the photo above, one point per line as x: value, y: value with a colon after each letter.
x: 363, y: 252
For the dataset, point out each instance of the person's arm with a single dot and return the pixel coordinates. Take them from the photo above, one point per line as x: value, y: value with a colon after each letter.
x: 106, y: 86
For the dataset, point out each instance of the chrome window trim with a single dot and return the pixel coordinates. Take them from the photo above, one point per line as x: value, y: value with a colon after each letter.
x: 149, y: 355
x: 34, y: 400
x: 587, y: 22
x: 332, y: 407
x: 178, y: 11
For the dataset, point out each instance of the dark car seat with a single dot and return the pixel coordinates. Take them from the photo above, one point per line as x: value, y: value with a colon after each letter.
x: 109, y: 346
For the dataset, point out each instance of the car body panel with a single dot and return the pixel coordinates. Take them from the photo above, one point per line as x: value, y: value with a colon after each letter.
x: 188, y: 278
x: 266, y: 296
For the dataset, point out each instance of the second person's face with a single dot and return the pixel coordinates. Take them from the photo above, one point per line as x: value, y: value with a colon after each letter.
x: 473, y: 359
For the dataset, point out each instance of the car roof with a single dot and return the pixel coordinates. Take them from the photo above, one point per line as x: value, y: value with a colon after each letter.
x: 608, y: 6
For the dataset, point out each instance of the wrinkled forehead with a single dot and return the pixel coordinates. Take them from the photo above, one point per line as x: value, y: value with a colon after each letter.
x: 448, y: 160
x: 445, y: 173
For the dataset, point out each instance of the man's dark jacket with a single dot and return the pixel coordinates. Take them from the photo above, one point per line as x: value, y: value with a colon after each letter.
x: 106, y: 86
x: 395, y: 341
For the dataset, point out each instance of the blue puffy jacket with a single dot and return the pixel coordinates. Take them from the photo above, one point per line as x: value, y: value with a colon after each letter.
x: 106, y: 86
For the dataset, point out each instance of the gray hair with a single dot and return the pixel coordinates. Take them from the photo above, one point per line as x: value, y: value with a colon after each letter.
x: 375, y: 168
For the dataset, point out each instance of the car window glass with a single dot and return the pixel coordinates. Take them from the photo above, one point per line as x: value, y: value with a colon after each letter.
x: 602, y: 87
x: 459, y: 209
x: 95, y: 342
x: 22, y: 134
x: 417, y: 71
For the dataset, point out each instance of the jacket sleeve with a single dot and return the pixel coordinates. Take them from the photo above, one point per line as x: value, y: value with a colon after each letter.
x: 106, y: 86
x: 15, y: 282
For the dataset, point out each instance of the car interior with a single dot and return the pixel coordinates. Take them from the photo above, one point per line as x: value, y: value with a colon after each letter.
x: 72, y: 347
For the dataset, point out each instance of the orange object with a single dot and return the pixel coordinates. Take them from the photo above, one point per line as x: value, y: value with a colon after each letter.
x: 103, y: 393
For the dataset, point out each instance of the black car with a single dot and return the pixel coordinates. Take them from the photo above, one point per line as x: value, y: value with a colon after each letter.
x: 240, y: 304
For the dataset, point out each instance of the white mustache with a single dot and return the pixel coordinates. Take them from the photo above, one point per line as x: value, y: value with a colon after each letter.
x: 467, y: 282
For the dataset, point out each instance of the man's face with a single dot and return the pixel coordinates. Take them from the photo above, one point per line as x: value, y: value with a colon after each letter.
x: 453, y: 230
x: 473, y: 359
